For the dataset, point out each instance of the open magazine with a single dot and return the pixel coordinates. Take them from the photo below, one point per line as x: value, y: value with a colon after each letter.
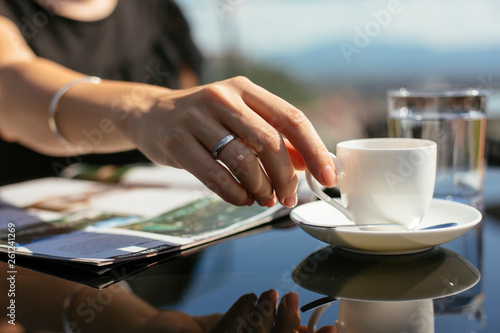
x: 99, y: 224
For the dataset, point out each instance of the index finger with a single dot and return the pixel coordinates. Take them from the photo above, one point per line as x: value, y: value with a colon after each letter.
x: 291, y: 122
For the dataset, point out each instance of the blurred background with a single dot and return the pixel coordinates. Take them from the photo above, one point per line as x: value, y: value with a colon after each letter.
x: 335, y: 59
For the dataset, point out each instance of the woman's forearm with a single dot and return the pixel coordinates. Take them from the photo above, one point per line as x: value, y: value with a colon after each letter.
x: 92, y: 118
x: 45, y: 302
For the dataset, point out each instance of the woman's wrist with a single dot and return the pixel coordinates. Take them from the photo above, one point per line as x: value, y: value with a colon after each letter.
x: 101, y: 118
x: 128, y: 106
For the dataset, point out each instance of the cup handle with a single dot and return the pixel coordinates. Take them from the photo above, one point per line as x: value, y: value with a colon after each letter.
x: 317, y: 313
x: 313, y: 184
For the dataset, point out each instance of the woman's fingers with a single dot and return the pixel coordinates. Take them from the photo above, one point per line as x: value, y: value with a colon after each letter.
x: 235, y: 319
x: 203, y: 166
x: 259, y: 316
x: 261, y: 319
x: 260, y: 160
x: 236, y: 156
x: 245, y: 166
x: 288, y: 317
x: 268, y: 144
x: 291, y: 122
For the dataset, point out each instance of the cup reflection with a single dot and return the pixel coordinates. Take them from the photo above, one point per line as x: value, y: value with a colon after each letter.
x: 384, y: 293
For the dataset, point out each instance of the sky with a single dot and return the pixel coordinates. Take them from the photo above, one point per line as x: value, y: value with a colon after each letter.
x: 263, y: 28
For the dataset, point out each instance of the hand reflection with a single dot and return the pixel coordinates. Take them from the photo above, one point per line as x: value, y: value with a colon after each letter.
x: 248, y: 314
x: 118, y: 309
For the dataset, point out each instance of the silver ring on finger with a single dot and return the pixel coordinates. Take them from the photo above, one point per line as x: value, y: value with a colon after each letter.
x: 221, y: 144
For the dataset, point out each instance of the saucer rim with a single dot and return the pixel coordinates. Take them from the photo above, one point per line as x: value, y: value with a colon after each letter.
x: 394, y: 231
x: 448, y: 233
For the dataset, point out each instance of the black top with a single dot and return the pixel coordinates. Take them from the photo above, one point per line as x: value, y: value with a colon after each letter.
x: 141, y: 41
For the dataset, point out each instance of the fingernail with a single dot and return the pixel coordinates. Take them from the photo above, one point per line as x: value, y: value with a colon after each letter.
x: 328, y: 176
x: 332, y: 330
x: 271, y: 202
x: 250, y: 298
x: 291, y: 201
x: 274, y: 296
x: 283, y: 300
x: 291, y: 300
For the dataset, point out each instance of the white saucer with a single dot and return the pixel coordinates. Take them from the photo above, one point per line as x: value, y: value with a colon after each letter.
x: 386, y: 240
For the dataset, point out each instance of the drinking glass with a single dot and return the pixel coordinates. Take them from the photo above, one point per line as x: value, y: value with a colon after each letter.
x: 456, y: 121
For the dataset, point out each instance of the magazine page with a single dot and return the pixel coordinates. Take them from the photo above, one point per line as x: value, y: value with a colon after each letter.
x: 23, y: 218
x: 86, y: 237
x: 144, y: 201
x: 206, y: 219
x: 41, y: 200
x: 104, y: 238
x: 109, y: 224
x: 50, y: 193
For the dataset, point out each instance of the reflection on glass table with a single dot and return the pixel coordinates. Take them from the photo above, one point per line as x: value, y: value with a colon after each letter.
x: 212, y: 278
x: 384, y: 293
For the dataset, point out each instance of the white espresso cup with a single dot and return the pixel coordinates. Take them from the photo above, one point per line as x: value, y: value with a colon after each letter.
x: 386, y: 180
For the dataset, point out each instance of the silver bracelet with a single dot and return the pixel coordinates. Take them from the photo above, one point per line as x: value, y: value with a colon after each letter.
x: 54, y: 102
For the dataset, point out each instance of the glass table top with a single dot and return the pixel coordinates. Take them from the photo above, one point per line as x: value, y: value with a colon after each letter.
x: 457, y: 281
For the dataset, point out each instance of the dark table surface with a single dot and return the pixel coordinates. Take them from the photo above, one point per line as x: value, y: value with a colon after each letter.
x: 213, y: 278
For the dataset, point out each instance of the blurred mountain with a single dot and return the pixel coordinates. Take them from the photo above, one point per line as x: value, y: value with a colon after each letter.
x: 332, y: 65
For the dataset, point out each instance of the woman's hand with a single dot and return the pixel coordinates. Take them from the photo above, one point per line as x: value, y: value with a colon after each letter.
x: 182, y: 128
x: 247, y: 315
x: 179, y: 128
